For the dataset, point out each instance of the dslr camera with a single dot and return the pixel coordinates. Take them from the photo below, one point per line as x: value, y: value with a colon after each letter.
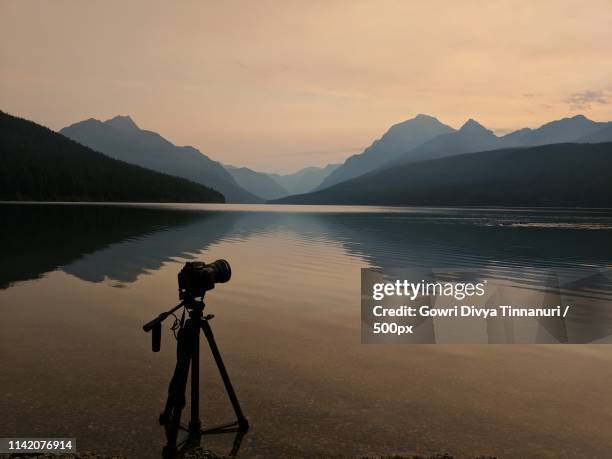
x: 197, y: 277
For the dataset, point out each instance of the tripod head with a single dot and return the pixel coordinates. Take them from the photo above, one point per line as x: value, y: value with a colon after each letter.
x: 191, y: 305
x: 194, y: 280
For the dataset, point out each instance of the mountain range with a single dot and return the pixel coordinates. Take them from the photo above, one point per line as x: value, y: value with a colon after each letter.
x: 406, y: 147
x: 399, y: 139
x: 305, y: 179
x: 274, y: 186
x: 575, y: 129
x: 258, y: 183
x: 564, y: 175
x: 405, y: 142
x: 37, y: 164
x: 121, y: 138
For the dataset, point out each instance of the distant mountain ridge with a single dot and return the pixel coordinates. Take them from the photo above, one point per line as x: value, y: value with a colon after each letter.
x: 560, y: 131
x: 562, y: 175
x: 422, y: 138
x: 121, y: 138
x: 37, y: 164
x: 273, y: 186
x: 471, y: 137
x: 304, y: 180
x: 399, y: 139
x: 257, y: 183
x: 123, y: 122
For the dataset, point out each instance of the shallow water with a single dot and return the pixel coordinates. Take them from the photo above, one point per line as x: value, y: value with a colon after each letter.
x: 78, y: 281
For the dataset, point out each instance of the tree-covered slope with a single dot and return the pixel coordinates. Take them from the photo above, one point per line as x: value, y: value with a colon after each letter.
x: 120, y: 138
x: 37, y: 164
x: 549, y: 175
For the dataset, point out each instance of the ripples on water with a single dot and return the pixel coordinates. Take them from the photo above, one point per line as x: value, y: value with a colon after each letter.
x: 304, y: 246
x: 521, y: 245
x: 293, y: 267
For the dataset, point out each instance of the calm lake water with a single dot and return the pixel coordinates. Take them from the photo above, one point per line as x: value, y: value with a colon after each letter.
x: 78, y: 281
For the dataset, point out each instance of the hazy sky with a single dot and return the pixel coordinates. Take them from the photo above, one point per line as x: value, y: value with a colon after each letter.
x: 283, y: 84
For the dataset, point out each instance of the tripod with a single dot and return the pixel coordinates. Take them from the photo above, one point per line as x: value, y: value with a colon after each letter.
x: 188, y: 354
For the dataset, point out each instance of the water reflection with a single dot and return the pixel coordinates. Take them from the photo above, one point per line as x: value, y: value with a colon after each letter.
x: 288, y: 324
x: 37, y: 239
x: 120, y: 243
x: 521, y: 247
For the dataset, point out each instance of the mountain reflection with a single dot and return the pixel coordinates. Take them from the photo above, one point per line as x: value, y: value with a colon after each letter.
x: 91, y: 241
x: 94, y: 242
x: 516, y: 246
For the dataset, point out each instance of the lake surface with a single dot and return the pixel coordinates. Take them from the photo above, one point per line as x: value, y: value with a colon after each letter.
x: 78, y: 281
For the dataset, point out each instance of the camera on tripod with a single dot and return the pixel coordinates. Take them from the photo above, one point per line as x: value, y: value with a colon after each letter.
x: 197, y: 277
x: 194, y: 280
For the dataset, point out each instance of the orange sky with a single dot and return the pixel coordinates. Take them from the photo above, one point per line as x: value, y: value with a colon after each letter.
x: 283, y: 84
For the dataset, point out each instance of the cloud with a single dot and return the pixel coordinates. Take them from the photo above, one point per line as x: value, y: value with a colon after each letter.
x: 585, y: 99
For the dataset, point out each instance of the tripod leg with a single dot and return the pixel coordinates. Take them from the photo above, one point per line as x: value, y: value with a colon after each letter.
x: 194, y: 423
x: 178, y: 383
x: 243, y: 424
x: 237, y: 443
x: 171, y: 416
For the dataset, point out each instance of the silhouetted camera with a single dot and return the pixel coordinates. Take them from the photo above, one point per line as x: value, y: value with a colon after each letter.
x: 197, y: 277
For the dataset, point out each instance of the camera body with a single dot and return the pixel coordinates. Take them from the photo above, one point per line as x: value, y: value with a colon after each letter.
x: 197, y: 277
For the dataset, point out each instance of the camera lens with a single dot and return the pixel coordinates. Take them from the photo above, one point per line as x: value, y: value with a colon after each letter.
x: 223, y: 272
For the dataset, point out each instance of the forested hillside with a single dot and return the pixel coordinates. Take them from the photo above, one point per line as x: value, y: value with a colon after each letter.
x: 560, y: 175
x: 37, y: 164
